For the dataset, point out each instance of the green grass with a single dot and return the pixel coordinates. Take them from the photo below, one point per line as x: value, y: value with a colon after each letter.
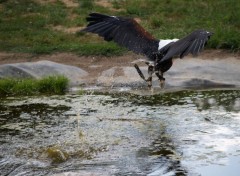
x: 47, y: 85
x: 28, y: 26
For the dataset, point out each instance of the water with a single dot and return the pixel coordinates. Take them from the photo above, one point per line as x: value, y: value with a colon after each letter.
x: 171, y: 133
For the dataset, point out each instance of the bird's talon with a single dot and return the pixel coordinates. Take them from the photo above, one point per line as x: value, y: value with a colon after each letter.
x: 162, y: 83
x: 148, y: 80
x: 149, y: 84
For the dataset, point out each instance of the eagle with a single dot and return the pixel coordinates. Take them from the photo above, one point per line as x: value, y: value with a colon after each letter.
x: 159, y: 53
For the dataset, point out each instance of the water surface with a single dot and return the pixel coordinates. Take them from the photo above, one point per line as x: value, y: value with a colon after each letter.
x: 172, y: 133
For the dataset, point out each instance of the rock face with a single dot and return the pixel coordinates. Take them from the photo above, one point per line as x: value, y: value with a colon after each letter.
x: 41, y: 69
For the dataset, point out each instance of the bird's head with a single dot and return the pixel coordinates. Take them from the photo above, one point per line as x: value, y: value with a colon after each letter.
x: 209, y: 34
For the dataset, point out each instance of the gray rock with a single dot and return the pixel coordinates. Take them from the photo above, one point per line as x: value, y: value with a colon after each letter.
x: 193, y: 72
x: 120, y: 76
x: 41, y: 69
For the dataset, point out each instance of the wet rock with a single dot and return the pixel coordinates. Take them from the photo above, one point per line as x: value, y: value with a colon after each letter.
x: 41, y: 69
x: 121, y: 76
x: 193, y: 72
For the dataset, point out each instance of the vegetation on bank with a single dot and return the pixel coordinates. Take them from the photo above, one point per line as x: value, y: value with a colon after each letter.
x: 47, y: 85
x: 42, y: 26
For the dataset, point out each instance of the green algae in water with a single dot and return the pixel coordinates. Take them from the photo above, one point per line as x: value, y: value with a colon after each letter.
x: 57, y: 155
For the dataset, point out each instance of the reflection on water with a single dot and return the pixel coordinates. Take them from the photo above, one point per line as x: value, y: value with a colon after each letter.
x: 175, y: 133
x: 228, y: 100
x: 230, y: 168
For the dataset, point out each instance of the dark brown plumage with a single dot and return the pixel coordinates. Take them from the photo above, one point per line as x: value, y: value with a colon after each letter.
x: 128, y: 33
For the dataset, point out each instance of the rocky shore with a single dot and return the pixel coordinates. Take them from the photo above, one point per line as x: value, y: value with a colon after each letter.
x: 206, y: 71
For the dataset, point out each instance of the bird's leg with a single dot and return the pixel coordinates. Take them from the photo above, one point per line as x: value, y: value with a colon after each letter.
x: 159, y: 74
x: 150, y: 72
x: 139, y: 72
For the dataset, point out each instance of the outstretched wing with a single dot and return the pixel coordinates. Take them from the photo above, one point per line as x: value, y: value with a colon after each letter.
x: 124, y: 31
x: 192, y: 43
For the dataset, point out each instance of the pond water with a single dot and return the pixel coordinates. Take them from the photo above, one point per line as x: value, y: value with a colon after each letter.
x: 188, y: 132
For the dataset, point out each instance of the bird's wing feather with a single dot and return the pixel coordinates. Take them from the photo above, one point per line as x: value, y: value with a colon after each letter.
x: 192, y: 43
x: 124, y: 31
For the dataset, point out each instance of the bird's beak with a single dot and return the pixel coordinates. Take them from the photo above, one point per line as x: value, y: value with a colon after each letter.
x: 211, y: 33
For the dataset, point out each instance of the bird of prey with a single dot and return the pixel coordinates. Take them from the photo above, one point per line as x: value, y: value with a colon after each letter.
x: 126, y: 32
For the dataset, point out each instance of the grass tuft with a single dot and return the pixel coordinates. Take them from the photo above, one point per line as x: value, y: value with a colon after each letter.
x: 55, y: 84
x: 47, y: 85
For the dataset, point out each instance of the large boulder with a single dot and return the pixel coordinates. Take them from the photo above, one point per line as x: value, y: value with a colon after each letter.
x: 42, y: 69
x: 194, y: 72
